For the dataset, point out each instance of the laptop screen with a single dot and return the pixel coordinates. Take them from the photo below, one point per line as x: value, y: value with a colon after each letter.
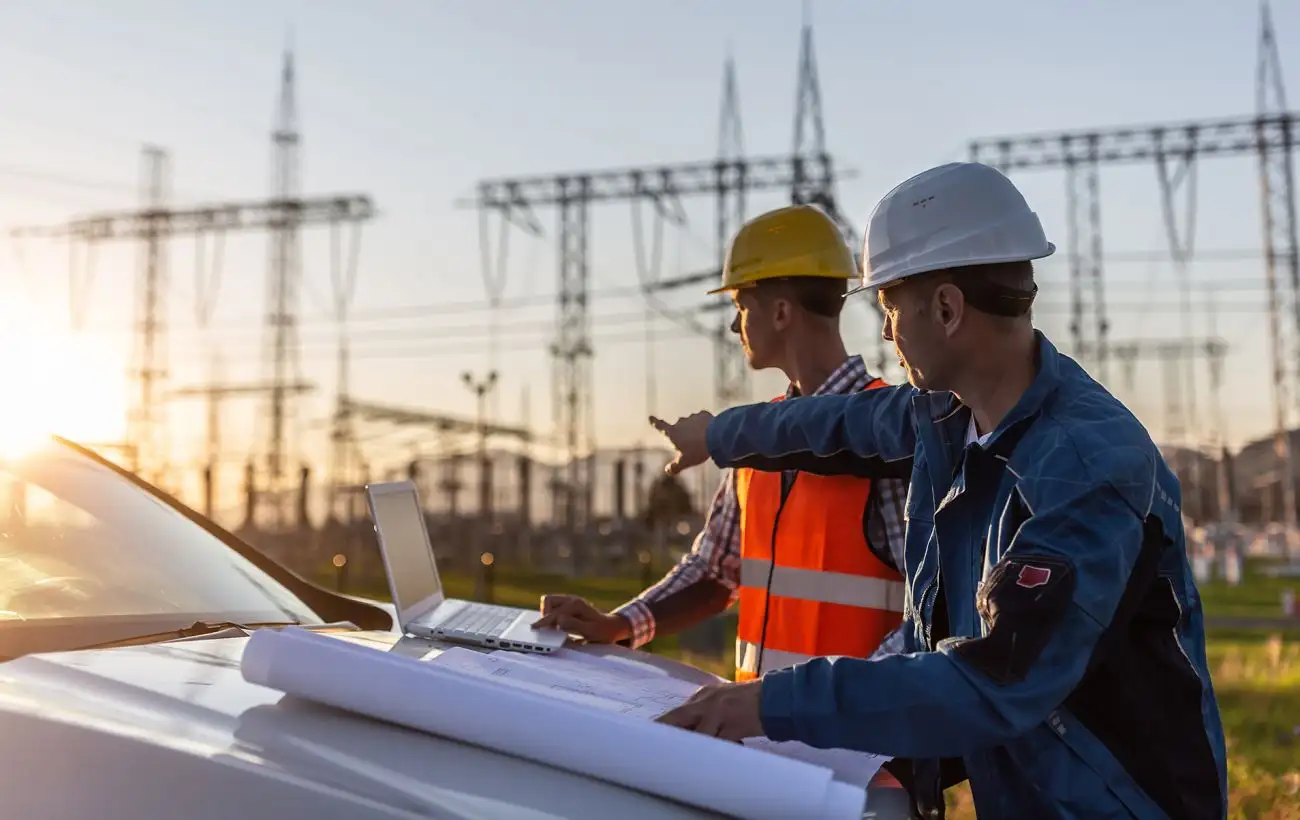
x: 399, y: 522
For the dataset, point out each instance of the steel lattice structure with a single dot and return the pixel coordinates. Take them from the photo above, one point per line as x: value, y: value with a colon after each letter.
x: 1271, y: 136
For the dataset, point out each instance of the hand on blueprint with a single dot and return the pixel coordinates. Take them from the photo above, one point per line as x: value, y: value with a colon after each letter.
x: 577, y: 616
x: 724, y: 710
x: 688, y: 437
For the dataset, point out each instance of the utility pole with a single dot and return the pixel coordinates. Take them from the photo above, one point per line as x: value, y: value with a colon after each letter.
x: 731, y: 374
x: 215, y: 394
x: 808, y: 179
x: 481, y: 389
x: 1270, y: 137
x: 812, y: 180
x: 344, y: 453
x: 282, y: 297
x: 284, y: 214
x: 572, y: 194
x: 1276, y: 136
x: 149, y: 370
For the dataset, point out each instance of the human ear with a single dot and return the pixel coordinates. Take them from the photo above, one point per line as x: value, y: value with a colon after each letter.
x: 782, y: 314
x: 949, y: 305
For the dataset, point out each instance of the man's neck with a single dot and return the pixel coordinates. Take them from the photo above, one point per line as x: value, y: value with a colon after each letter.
x: 996, y: 382
x: 811, y: 361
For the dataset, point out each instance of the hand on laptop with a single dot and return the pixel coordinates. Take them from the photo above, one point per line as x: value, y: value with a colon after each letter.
x: 577, y: 616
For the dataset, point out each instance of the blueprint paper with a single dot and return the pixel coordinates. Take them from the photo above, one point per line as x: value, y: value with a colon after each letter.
x: 612, y: 746
x: 607, y: 664
x: 645, y: 699
x: 596, y: 684
x: 605, y: 678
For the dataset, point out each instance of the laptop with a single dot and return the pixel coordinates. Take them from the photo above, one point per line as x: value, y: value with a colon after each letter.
x: 422, y: 608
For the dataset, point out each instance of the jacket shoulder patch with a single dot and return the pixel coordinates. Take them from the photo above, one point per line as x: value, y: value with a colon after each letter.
x: 1023, y: 601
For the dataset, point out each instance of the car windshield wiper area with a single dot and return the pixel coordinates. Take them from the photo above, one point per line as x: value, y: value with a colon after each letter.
x: 194, y: 630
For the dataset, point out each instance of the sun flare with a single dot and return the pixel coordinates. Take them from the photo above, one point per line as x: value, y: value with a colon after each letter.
x: 56, y: 384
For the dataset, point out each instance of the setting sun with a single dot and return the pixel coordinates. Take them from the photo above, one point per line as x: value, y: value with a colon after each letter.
x: 56, y: 384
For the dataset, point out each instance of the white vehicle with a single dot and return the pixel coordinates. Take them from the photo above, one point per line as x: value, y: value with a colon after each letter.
x: 121, y: 695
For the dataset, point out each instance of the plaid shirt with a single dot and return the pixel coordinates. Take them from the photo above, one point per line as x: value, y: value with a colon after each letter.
x: 716, y: 553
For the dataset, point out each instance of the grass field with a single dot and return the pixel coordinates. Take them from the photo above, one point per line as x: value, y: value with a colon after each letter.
x: 1256, y: 675
x: 1257, y: 681
x: 1259, y: 596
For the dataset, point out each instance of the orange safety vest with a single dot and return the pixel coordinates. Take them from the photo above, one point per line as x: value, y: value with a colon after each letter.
x: 806, y: 570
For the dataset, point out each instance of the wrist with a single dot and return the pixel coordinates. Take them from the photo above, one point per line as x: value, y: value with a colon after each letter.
x: 709, y: 429
x: 623, y: 627
x: 640, y: 623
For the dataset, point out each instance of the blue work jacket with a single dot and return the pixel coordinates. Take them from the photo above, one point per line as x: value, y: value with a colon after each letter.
x: 1055, y: 650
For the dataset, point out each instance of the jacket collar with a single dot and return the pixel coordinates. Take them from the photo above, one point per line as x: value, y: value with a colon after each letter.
x: 1041, y: 389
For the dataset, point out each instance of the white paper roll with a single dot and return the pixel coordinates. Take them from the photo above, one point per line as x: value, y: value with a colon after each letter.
x: 632, y: 752
x: 843, y: 800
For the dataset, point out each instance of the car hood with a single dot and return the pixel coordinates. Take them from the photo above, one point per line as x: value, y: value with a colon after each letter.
x: 173, y: 730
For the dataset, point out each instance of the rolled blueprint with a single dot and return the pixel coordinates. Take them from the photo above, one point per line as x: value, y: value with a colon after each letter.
x: 632, y: 752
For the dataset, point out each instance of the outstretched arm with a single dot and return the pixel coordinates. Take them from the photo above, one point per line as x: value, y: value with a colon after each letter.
x: 869, y: 434
x: 1047, y: 603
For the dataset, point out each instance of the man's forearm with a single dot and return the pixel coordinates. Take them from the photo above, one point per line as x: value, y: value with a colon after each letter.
x: 689, y: 606
x: 869, y: 434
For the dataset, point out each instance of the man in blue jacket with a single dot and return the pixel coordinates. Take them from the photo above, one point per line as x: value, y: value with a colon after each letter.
x: 1056, y: 651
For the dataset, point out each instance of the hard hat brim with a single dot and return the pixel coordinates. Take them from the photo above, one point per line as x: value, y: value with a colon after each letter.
x: 755, y: 282
x: 868, y: 285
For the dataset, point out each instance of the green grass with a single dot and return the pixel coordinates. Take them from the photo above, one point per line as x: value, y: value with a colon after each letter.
x: 1258, y: 596
x: 1257, y: 682
x: 1256, y: 675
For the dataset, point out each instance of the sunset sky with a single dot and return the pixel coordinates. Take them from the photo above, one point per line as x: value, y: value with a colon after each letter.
x: 414, y: 101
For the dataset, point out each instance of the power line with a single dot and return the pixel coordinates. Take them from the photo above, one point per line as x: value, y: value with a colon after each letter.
x: 523, y: 303
x: 627, y: 333
x: 283, y: 215
x: 536, y: 334
x: 1270, y: 136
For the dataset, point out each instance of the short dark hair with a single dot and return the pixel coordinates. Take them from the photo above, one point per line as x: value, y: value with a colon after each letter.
x: 1002, y: 289
x: 819, y: 295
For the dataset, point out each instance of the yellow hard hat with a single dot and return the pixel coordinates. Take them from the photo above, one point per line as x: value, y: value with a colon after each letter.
x: 797, y: 240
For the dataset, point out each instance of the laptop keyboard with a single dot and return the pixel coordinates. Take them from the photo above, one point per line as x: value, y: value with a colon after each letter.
x: 482, y: 621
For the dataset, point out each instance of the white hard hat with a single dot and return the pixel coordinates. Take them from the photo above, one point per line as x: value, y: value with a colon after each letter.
x: 962, y: 213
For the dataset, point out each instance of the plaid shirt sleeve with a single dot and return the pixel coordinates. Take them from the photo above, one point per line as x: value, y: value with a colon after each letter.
x: 887, y: 523
x: 715, y: 556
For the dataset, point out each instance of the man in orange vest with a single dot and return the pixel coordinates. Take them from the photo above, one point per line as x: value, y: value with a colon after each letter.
x: 814, y: 560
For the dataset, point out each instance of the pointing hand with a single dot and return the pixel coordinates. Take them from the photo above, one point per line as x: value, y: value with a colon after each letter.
x: 688, y: 436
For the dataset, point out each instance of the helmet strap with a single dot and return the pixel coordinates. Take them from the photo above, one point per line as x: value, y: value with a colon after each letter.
x: 996, y: 299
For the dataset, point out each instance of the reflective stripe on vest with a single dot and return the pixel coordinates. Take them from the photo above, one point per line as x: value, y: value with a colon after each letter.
x: 827, y: 587
x: 829, y: 594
